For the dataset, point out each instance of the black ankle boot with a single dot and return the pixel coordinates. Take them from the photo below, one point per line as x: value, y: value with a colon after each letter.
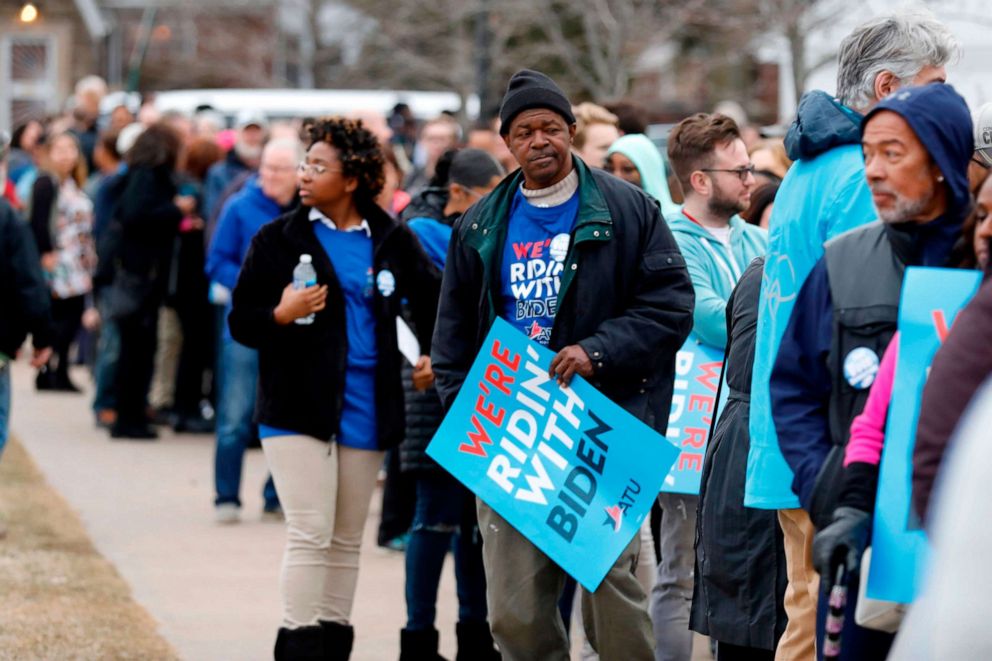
x: 303, y: 644
x: 475, y: 642
x: 419, y: 645
x: 338, y: 639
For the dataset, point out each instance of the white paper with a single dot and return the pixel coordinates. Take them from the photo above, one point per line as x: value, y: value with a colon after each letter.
x: 407, y: 341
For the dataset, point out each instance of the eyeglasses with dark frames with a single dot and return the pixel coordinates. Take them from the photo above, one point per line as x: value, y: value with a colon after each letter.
x: 741, y: 172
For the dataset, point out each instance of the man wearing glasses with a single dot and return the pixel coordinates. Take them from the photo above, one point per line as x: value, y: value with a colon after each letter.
x: 711, y: 163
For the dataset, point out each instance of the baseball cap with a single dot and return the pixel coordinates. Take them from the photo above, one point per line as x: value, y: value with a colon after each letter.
x: 252, y: 117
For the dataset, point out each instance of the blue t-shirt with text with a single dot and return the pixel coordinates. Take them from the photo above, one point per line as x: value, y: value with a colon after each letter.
x: 537, y: 242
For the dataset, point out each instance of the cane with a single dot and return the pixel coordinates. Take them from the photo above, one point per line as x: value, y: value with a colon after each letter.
x: 835, y: 615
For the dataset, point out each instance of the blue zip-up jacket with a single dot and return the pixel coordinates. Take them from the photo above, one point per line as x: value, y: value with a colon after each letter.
x: 715, y: 270
x: 823, y: 195
x: 801, y: 381
x: 242, y: 216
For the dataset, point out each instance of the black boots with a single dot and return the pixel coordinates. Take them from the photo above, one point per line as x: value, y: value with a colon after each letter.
x: 419, y: 645
x: 338, y: 639
x: 303, y: 644
x: 329, y: 641
x: 475, y: 642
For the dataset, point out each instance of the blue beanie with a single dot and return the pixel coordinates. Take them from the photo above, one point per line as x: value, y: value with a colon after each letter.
x: 942, y: 122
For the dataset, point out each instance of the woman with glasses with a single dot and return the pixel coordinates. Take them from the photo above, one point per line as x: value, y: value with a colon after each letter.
x: 330, y: 396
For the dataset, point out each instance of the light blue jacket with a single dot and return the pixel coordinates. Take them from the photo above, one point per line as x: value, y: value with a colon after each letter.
x: 824, y: 194
x: 715, y: 270
x: 650, y: 165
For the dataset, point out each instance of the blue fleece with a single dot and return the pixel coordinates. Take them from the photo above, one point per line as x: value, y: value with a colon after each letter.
x: 434, y: 236
x: 823, y: 195
x: 533, y: 258
x: 241, y: 218
x: 800, y: 382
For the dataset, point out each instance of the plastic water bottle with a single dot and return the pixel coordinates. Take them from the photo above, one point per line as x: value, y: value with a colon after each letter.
x: 304, y: 276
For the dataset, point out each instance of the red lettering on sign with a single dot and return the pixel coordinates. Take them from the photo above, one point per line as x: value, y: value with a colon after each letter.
x: 701, y: 403
x: 695, y: 437
x: 940, y: 323
x: 689, y: 461
x: 495, y: 376
x: 489, y: 411
x: 710, y: 376
x: 504, y: 356
x: 477, y: 438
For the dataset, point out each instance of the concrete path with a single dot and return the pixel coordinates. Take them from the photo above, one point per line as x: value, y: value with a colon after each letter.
x: 148, y: 508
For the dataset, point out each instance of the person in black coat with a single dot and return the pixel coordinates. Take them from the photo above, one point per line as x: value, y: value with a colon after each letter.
x: 740, y: 580
x: 24, y: 299
x: 145, y: 227
x: 330, y: 396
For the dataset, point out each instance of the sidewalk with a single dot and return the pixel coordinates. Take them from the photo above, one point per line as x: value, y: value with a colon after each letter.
x: 148, y: 509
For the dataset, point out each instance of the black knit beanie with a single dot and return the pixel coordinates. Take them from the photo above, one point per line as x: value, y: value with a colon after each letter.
x: 528, y: 90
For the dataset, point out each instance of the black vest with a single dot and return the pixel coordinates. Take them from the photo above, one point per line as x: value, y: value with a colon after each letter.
x: 865, y: 275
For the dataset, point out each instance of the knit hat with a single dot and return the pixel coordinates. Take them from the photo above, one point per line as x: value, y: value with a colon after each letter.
x: 983, y: 134
x: 941, y: 121
x: 528, y: 90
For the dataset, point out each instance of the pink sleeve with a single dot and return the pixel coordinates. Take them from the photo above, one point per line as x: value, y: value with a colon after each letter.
x: 868, y: 429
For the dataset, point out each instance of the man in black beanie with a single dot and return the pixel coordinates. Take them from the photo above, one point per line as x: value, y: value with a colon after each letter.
x: 582, y: 263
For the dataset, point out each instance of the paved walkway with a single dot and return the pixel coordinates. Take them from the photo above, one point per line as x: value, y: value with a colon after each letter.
x: 148, y: 508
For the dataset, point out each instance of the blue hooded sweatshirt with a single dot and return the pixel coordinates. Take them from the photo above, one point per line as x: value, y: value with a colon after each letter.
x: 801, y: 380
x: 824, y: 194
x: 651, y: 166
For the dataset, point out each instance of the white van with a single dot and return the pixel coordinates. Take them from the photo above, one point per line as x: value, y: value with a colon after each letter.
x: 294, y: 103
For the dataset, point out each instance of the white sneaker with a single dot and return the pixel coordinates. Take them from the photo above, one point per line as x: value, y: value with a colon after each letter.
x: 227, y: 513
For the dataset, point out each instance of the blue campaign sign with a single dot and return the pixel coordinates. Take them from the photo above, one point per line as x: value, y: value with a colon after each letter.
x: 698, y: 369
x: 569, y: 469
x: 931, y: 299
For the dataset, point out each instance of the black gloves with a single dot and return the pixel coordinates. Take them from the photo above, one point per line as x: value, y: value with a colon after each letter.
x: 843, y: 541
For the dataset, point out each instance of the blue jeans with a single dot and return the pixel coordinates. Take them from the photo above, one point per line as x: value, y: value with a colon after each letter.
x: 437, y: 527
x: 4, y: 403
x: 238, y: 371
x: 108, y: 350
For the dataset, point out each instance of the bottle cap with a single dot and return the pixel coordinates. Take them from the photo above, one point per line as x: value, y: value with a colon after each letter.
x: 305, y: 259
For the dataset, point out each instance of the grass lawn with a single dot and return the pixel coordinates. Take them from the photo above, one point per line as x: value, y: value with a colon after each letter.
x: 60, y: 598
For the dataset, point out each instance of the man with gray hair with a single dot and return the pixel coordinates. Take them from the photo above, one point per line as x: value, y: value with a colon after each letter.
x: 823, y: 195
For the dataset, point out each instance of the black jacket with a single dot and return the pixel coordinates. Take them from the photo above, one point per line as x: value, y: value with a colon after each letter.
x: 25, y: 300
x: 740, y: 580
x: 302, y: 368
x: 625, y: 294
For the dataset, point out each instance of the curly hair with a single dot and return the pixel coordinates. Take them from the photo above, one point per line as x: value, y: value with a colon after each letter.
x: 358, y: 150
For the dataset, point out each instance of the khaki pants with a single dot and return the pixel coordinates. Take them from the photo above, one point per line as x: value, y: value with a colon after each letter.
x: 798, y: 643
x: 325, y: 492
x: 523, y: 587
x: 170, y: 345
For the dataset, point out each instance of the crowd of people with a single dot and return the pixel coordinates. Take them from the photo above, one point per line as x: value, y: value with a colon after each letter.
x: 163, y: 250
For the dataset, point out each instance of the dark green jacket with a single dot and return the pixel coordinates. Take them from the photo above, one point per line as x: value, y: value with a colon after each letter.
x: 625, y: 294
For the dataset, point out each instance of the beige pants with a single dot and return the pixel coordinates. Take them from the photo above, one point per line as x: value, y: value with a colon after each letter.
x: 798, y: 643
x: 325, y: 492
x: 170, y: 344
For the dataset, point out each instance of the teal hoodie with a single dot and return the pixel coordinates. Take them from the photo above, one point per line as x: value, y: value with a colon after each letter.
x: 647, y: 159
x: 715, y: 270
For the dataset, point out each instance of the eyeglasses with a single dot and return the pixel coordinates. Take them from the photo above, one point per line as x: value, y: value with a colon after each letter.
x: 985, y: 166
x: 305, y: 168
x: 741, y: 172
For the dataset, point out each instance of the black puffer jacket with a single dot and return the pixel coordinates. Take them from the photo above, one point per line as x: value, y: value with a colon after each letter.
x: 740, y: 560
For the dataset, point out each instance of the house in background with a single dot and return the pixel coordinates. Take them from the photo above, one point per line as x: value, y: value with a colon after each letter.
x: 43, y: 51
